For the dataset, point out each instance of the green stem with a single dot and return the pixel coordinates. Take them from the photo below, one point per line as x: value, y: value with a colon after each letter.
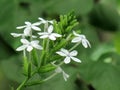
x: 41, y: 81
x: 61, y: 63
x: 43, y: 53
x: 69, y: 36
x: 44, y: 46
x: 30, y: 57
x: 22, y: 84
x: 47, y: 45
x: 45, y: 26
x: 44, y: 80
x: 46, y: 51
x: 24, y: 53
x: 31, y: 35
x: 74, y: 46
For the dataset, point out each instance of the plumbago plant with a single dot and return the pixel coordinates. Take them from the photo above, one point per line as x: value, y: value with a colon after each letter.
x: 44, y: 47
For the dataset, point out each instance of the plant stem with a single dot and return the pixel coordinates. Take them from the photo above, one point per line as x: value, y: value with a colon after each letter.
x: 69, y: 36
x: 74, y: 46
x: 46, y: 51
x: 61, y: 63
x: 41, y: 81
x: 45, y: 26
x: 44, y: 46
x: 47, y: 45
x: 24, y: 53
x: 22, y: 84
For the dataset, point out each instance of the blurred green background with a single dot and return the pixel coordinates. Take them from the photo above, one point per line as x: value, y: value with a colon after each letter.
x: 99, y: 21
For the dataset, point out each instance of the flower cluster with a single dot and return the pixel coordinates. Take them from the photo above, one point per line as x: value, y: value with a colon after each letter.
x: 33, y: 34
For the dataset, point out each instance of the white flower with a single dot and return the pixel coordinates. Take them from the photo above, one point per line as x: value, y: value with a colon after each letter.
x: 29, y: 45
x: 29, y: 26
x: 45, y: 21
x: 21, y: 34
x: 49, y: 34
x: 68, y: 55
x: 59, y: 70
x: 80, y: 38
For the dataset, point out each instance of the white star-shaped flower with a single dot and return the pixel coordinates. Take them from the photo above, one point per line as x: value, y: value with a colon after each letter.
x: 45, y: 21
x: 29, y: 26
x: 21, y: 35
x: 68, y: 55
x: 80, y: 38
x: 29, y: 45
x: 49, y: 34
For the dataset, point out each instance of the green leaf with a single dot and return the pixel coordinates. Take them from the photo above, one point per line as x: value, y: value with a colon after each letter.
x: 105, y: 17
x: 12, y: 70
x: 118, y: 6
x: 59, y: 45
x: 117, y: 41
x: 112, y: 3
x: 7, y: 17
x: 25, y: 66
x: 64, y: 6
x: 102, y: 76
x: 29, y: 70
x: 34, y: 57
x: 102, y: 50
x: 67, y: 23
x: 6, y: 50
x: 46, y: 68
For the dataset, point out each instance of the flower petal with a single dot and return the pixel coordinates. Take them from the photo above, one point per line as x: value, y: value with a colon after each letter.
x: 76, y: 34
x: 35, y: 44
x: 51, y: 37
x: 21, y: 48
x: 45, y: 21
x: 84, y: 43
x: 65, y: 76
x: 82, y: 36
x: 56, y: 35
x: 36, y: 28
x: 64, y: 51
x: 41, y: 19
x: 88, y: 43
x: 50, y: 29
x: 76, y: 39
x: 29, y: 48
x: 33, y: 36
x: 38, y: 47
x: 36, y: 24
x: 73, y: 53
x: 67, y: 60
x: 50, y: 22
x: 20, y: 27
x: 25, y: 41
x: 44, y: 36
x: 16, y: 34
x: 43, y: 33
x: 58, y: 70
x: 76, y: 59
x: 61, y: 53
x: 27, y: 23
x: 27, y: 31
